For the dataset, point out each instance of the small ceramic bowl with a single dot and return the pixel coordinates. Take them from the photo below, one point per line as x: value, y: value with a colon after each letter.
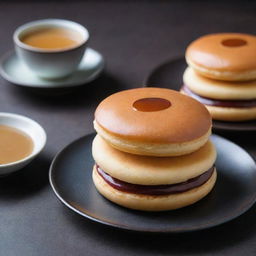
x: 29, y: 127
x: 50, y: 63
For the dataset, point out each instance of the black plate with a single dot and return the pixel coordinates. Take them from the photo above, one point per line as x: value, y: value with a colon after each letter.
x: 169, y: 75
x: 234, y: 192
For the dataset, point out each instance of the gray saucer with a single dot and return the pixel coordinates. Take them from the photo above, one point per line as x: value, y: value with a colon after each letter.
x: 13, y: 70
x: 234, y: 192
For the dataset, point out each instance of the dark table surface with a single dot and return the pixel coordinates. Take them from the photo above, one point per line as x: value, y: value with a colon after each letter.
x: 134, y: 37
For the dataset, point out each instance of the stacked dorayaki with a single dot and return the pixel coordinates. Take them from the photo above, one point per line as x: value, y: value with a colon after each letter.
x: 222, y: 75
x: 152, y: 150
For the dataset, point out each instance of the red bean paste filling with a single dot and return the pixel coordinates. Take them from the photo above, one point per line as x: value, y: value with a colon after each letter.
x: 156, y: 189
x: 219, y: 103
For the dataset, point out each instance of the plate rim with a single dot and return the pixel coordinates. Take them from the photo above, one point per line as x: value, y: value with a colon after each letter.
x: 215, y: 126
x: 5, y: 57
x: 160, y: 65
x: 89, y: 216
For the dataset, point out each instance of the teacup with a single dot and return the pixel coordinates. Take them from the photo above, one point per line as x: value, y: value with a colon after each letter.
x: 51, y: 48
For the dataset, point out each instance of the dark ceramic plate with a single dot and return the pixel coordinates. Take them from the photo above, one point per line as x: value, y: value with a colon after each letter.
x: 234, y: 192
x: 169, y: 75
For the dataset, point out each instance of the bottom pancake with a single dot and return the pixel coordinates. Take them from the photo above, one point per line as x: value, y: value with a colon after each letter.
x: 152, y: 202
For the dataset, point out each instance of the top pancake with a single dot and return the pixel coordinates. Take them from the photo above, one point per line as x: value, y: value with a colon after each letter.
x: 224, y: 52
x: 184, y: 121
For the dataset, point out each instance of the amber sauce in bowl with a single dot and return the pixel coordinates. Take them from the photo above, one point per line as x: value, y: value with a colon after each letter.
x: 14, y: 144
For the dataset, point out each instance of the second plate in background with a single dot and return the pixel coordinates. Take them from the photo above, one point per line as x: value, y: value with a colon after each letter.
x: 169, y: 75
